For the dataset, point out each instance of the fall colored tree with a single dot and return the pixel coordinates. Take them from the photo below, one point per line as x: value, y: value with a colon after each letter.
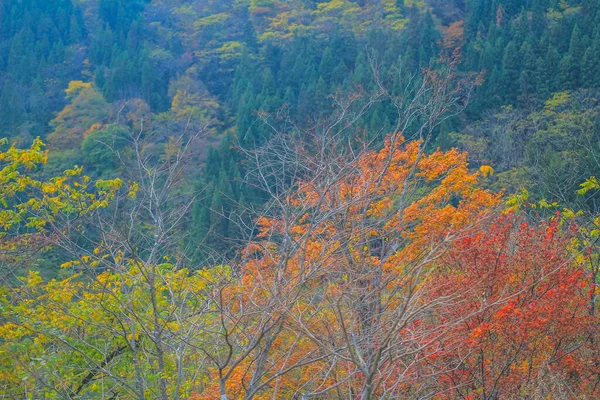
x: 338, y: 267
x: 345, y: 281
x: 31, y: 206
x: 115, y: 326
x: 86, y: 107
x: 526, y: 326
x: 454, y: 35
x: 388, y: 274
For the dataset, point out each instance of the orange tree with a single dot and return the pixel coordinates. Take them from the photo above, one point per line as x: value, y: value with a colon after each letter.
x: 332, y: 290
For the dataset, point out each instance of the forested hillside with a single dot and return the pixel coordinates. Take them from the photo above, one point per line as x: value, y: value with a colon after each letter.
x: 227, y: 64
x: 299, y: 199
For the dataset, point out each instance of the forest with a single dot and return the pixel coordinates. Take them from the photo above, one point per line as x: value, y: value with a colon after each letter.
x: 299, y: 199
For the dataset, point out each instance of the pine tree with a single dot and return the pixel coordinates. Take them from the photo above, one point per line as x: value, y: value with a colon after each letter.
x: 547, y: 74
x: 527, y: 79
x: 511, y: 69
x: 322, y: 103
x: 327, y: 65
x: 340, y: 73
x: 148, y: 76
x: 495, y: 92
x: 488, y: 60
x: 361, y: 74
x: 568, y: 75
x: 576, y: 46
x: 590, y: 65
x: 12, y: 109
x: 38, y: 103
x: 573, y: 63
x: 430, y: 37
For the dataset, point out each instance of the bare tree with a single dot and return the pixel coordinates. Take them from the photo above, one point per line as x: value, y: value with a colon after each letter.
x: 326, y: 287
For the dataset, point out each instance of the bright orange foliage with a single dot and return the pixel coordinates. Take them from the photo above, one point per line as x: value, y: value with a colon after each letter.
x: 344, y: 272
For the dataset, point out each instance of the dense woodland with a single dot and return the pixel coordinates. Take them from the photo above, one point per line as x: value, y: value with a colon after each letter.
x: 299, y: 199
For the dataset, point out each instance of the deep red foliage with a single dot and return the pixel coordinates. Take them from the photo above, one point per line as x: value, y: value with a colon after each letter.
x: 525, y: 328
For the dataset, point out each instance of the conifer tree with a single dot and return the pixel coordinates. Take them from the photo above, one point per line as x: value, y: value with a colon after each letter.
x: 511, y: 66
x: 590, y: 65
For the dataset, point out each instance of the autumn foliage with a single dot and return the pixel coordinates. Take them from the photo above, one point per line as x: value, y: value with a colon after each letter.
x: 394, y: 274
x: 381, y: 296
x: 525, y: 325
x: 349, y: 267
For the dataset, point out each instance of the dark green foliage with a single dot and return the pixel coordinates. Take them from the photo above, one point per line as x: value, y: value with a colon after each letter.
x: 101, y: 150
x: 38, y: 56
x: 545, y: 46
x: 245, y: 68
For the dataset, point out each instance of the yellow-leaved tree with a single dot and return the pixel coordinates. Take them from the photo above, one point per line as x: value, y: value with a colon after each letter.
x: 31, y: 208
x: 129, y: 320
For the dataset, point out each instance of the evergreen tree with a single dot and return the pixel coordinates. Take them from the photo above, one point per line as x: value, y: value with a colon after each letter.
x: 75, y: 30
x: 511, y: 68
x: 568, y: 75
x: 590, y: 65
x: 327, y: 65
x: 527, y: 80
x: 547, y: 74
x: 576, y: 53
x: 400, y: 5
x: 429, y: 40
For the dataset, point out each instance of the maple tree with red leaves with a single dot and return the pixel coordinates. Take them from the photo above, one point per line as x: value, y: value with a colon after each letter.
x: 526, y: 328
